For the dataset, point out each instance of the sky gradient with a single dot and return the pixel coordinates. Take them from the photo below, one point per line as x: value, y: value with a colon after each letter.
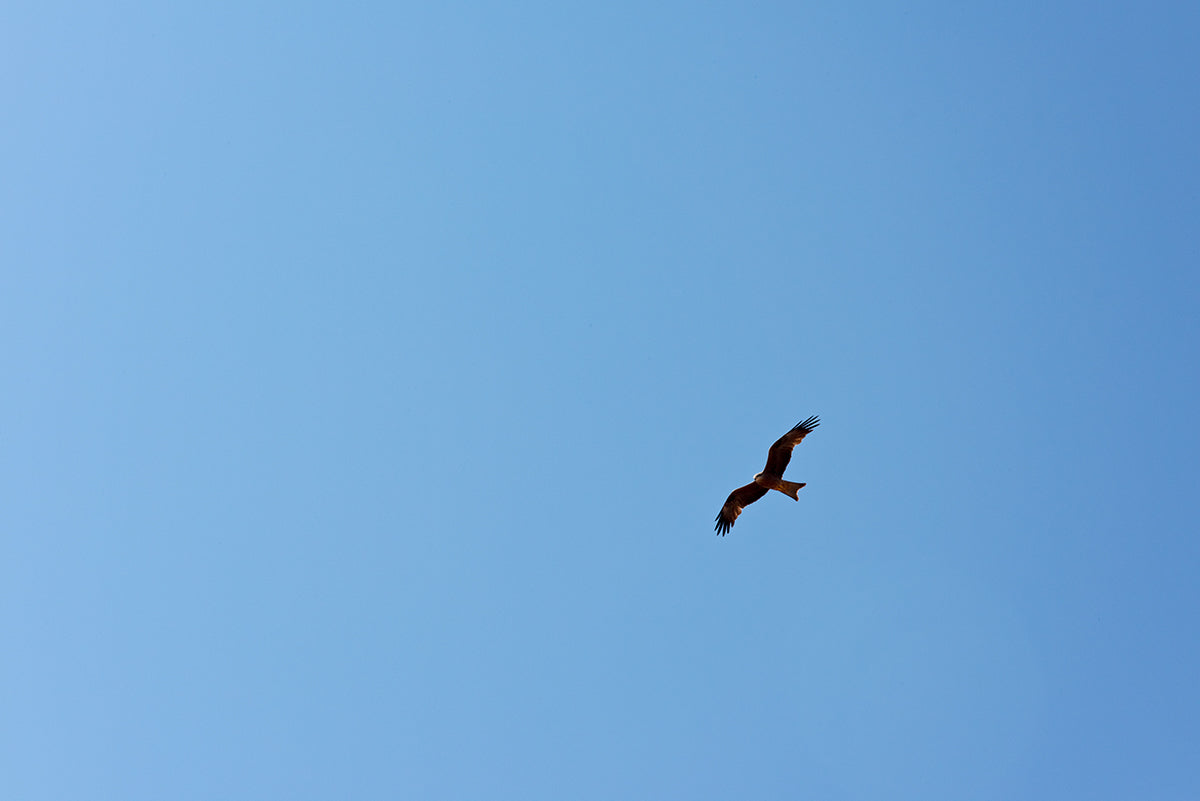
x: 375, y: 373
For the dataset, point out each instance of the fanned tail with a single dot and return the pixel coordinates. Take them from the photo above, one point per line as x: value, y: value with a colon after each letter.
x: 791, y: 489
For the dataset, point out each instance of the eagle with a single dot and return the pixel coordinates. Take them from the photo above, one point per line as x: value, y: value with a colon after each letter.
x: 771, y: 478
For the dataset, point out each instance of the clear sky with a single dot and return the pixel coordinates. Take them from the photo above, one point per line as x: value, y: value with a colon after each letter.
x: 374, y: 373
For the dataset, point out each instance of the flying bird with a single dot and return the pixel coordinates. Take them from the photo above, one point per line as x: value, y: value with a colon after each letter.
x: 771, y: 478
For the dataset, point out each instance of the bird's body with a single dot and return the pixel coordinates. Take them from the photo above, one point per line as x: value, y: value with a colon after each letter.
x: 771, y: 478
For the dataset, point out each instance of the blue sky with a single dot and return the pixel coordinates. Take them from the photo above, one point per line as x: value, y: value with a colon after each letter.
x: 375, y: 372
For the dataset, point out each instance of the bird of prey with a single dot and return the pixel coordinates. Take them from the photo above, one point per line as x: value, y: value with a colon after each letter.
x: 771, y: 478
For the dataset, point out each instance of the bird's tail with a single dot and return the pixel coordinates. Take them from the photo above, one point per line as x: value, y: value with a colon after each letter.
x: 791, y: 489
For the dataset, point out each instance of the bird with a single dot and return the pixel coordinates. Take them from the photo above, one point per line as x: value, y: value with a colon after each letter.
x: 771, y: 478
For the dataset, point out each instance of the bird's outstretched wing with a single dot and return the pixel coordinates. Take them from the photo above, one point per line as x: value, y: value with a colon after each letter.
x: 781, y: 452
x: 738, y: 500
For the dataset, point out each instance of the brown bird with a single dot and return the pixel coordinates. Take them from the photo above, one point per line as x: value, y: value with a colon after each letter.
x: 771, y: 478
